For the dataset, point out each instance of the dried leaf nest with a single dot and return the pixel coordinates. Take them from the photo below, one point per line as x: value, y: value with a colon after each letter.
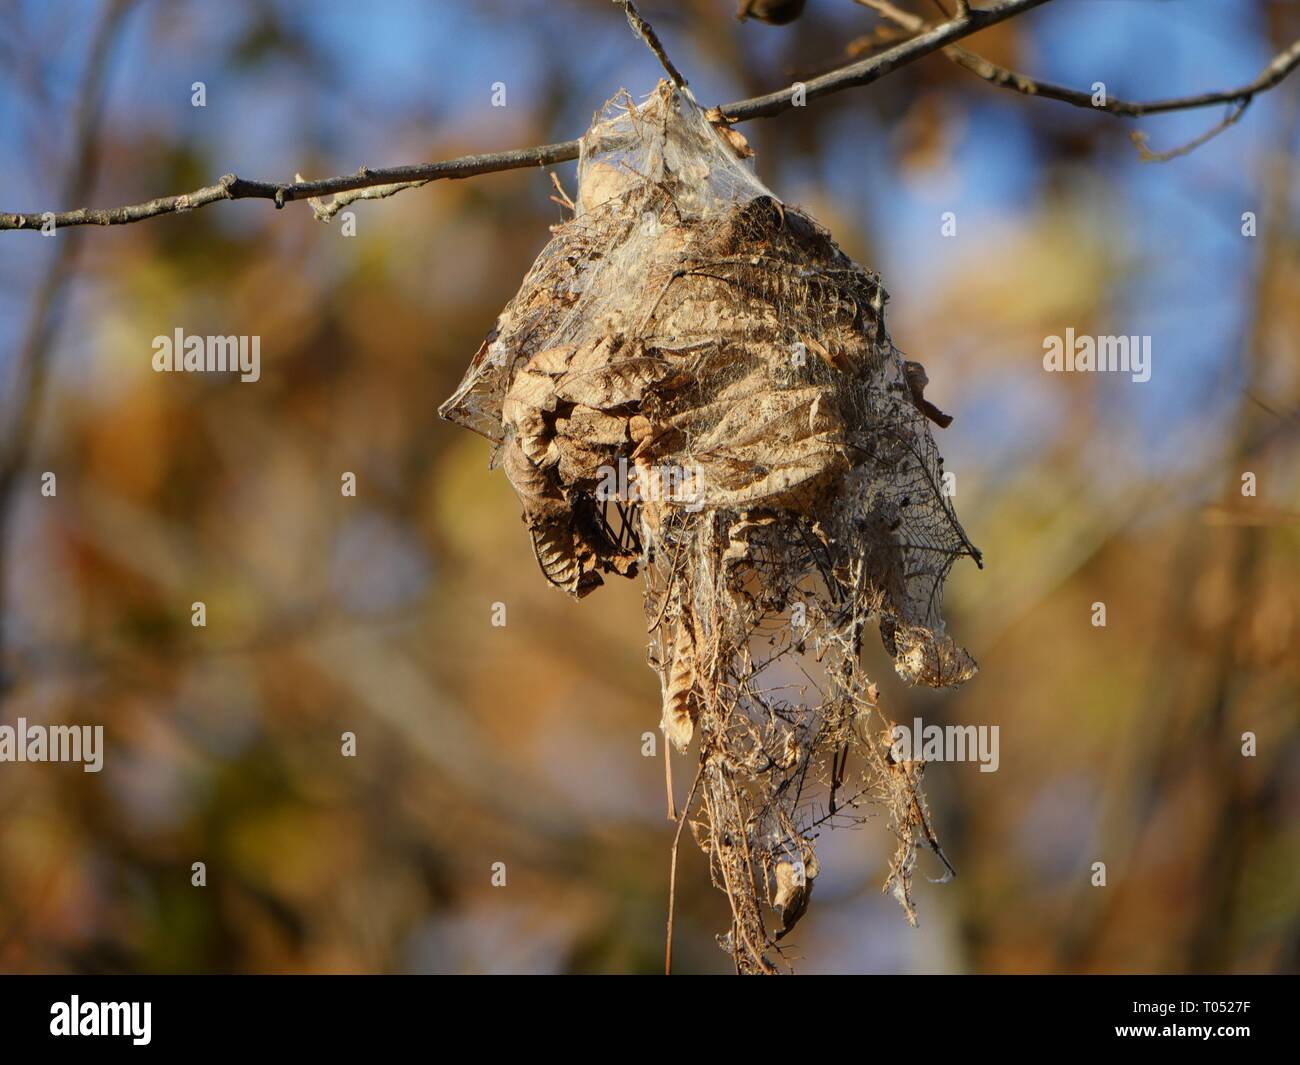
x: 695, y: 383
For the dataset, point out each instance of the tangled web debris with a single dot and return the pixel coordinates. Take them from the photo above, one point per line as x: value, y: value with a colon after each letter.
x: 695, y: 383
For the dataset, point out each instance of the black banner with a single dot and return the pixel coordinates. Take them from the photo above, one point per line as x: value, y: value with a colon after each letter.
x: 909, y: 1014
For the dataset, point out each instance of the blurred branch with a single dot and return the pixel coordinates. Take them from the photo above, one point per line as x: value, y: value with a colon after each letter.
x: 1156, y: 751
x: 1278, y: 68
x: 232, y: 187
x: 30, y: 369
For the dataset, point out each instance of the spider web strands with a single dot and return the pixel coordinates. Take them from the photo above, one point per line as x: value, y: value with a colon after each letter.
x: 752, y: 352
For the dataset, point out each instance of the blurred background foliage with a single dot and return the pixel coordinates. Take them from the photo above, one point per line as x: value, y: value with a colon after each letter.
x: 522, y: 744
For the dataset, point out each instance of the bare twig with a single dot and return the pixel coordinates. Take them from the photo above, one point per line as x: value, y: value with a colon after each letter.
x: 232, y: 187
x: 668, y: 779
x: 864, y: 72
x: 563, y: 199
x: 1277, y: 69
x: 325, y: 212
x: 873, y: 68
x: 646, y: 32
x: 672, y: 869
x: 31, y: 364
x: 1148, y: 156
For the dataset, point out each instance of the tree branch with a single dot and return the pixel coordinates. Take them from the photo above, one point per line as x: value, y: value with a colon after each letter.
x: 866, y: 71
x: 646, y: 32
x: 1148, y: 156
x: 26, y: 389
x: 1278, y: 68
x: 927, y: 39
x: 325, y: 212
x: 231, y: 187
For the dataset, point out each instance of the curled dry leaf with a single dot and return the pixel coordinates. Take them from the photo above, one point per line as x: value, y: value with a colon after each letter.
x: 679, y: 695
x: 917, y: 379
x: 794, y: 884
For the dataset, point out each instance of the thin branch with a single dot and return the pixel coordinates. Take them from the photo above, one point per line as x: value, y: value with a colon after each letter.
x: 672, y: 871
x: 31, y: 368
x: 668, y: 779
x: 1148, y: 156
x: 232, y: 187
x: 1277, y: 69
x: 563, y: 199
x: 863, y: 72
x: 646, y: 32
x: 325, y: 212
x: 875, y: 67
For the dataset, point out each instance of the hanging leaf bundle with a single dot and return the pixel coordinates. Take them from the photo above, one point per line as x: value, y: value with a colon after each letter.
x: 695, y: 384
